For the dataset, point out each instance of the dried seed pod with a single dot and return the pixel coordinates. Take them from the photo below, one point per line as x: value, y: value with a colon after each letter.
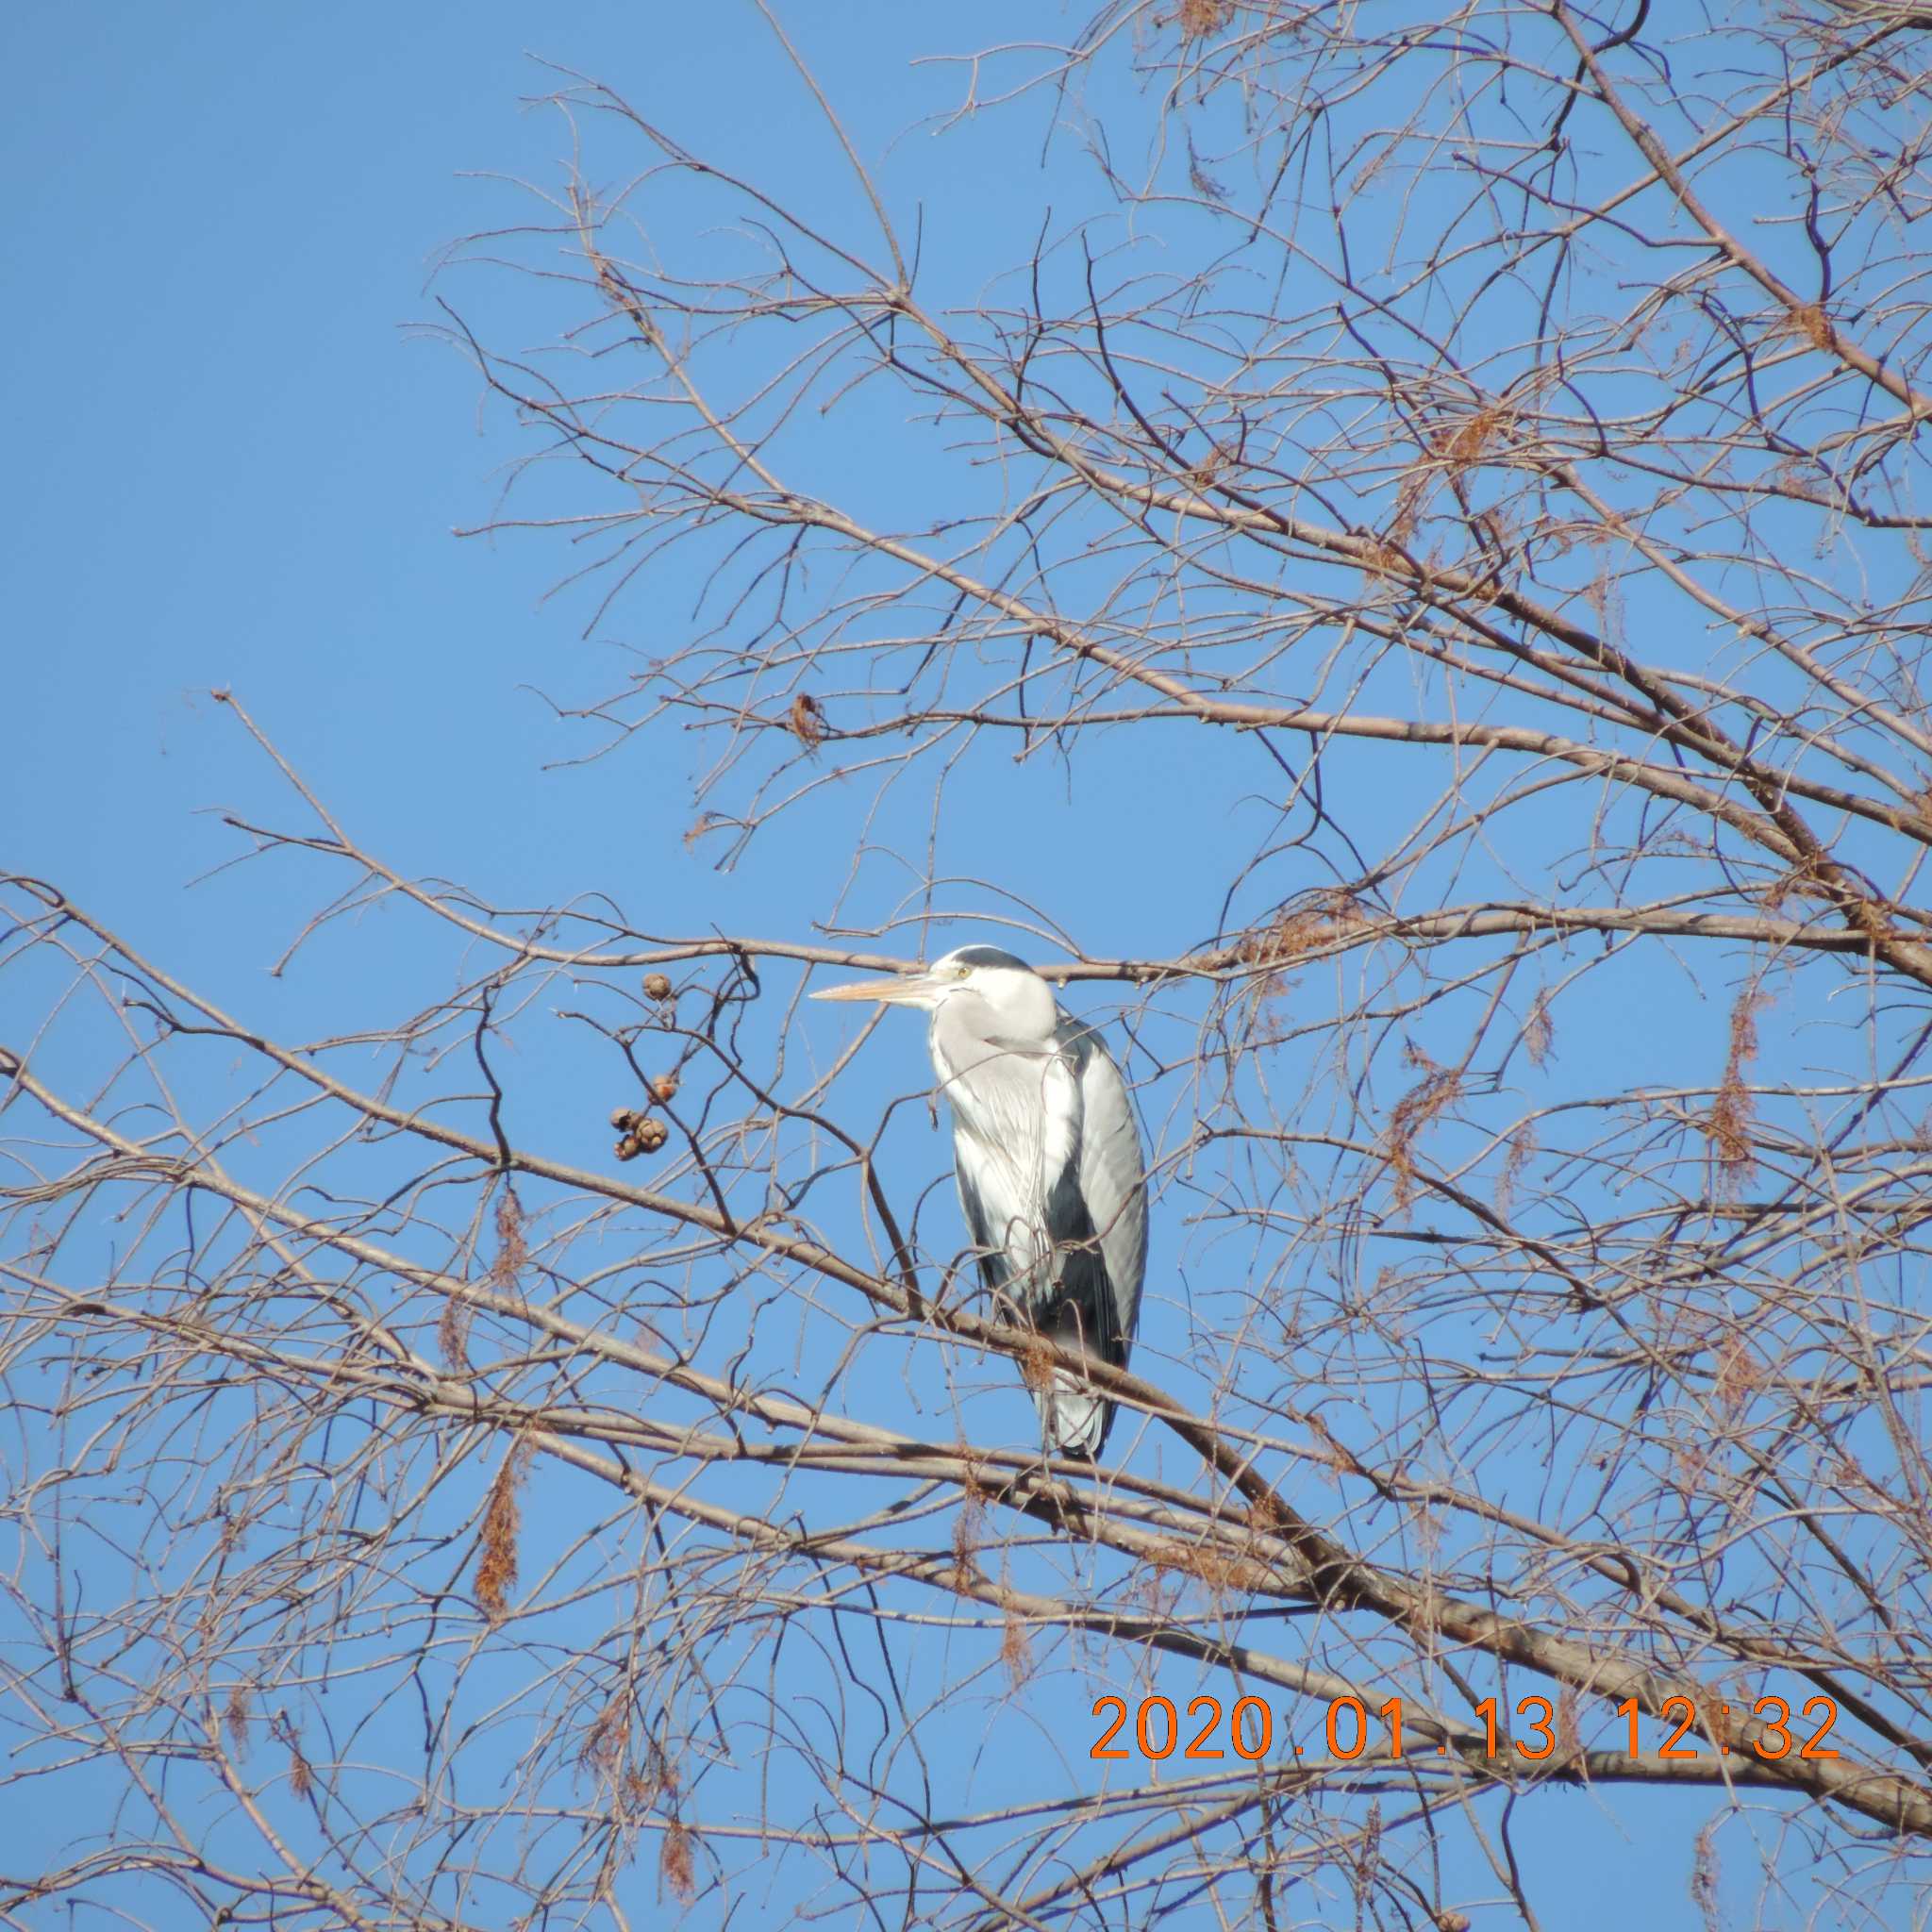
x: 665, y: 1086
x: 631, y: 1147
x: 807, y: 721
x: 649, y: 1136
x: 656, y: 987
x: 622, y: 1118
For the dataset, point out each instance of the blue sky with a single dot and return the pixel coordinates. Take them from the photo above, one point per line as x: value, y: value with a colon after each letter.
x: 240, y: 456
x: 245, y: 473
x: 247, y: 461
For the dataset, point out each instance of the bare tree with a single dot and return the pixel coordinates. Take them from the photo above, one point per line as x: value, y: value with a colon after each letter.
x: 1492, y: 433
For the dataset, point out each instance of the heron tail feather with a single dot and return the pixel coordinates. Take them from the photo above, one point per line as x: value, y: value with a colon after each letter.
x: 1073, y: 1420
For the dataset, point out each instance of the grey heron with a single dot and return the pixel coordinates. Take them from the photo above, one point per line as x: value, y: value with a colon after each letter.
x: 1052, y: 1180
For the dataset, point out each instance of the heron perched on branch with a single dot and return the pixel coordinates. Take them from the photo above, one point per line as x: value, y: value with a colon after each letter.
x: 1052, y: 1180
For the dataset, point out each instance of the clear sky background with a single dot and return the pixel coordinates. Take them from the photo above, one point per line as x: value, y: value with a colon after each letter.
x: 244, y: 470
x: 237, y: 461
x: 242, y: 460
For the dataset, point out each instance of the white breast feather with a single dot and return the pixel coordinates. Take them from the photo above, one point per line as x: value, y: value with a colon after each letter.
x: 1018, y: 1130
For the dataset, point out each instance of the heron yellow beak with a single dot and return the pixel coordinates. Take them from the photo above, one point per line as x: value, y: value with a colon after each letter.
x: 902, y: 989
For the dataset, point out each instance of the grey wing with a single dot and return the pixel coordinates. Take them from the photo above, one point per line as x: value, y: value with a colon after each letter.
x: 1113, y: 1178
x: 1099, y: 1202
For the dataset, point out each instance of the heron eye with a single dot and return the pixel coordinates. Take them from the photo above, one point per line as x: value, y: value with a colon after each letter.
x: 961, y: 971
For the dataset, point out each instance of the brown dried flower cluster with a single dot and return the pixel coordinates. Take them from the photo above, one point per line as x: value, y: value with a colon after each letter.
x: 639, y: 1133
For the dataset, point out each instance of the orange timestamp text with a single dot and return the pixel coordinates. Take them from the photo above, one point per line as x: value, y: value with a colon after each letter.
x: 1159, y: 1729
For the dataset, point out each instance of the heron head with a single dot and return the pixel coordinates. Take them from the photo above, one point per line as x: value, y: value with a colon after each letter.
x: 1020, y: 1003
